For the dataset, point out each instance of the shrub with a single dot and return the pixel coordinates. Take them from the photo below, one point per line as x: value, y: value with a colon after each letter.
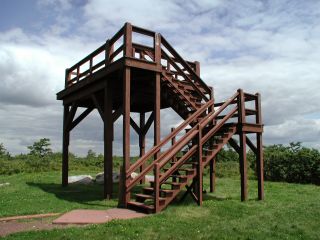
x: 292, y: 163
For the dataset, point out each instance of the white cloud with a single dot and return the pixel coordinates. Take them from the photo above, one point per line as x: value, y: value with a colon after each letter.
x: 261, y: 46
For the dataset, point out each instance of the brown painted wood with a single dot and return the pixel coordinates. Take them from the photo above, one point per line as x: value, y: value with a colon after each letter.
x: 65, y: 147
x: 126, y: 129
x: 212, y: 175
x: 199, y: 168
x: 108, y: 140
x: 157, y: 102
x: 142, y: 141
x: 243, y: 152
x: 259, y: 153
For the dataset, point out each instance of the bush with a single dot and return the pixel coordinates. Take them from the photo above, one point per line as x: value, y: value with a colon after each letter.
x: 292, y: 163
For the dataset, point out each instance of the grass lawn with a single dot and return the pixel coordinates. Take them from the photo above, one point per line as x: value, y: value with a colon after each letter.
x: 290, y: 211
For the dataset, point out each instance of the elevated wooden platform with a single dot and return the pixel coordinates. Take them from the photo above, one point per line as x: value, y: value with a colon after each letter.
x: 124, y: 76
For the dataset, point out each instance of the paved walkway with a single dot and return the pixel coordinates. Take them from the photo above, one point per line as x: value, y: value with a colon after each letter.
x: 96, y: 216
x: 74, y: 218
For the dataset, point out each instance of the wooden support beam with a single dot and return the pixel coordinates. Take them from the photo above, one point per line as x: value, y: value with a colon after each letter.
x: 80, y: 118
x: 148, y: 123
x: 259, y: 153
x: 108, y: 139
x: 242, y: 150
x: 142, y: 141
x: 65, y: 147
x: 71, y: 114
x: 127, y: 40
x: 243, y: 167
x: 156, y: 111
x: 97, y: 105
x: 117, y: 113
x: 135, y: 126
x: 125, y: 196
x: 212, y: 175
x: 199, y: 168
x: 234, y: 145
x: 251, y: 145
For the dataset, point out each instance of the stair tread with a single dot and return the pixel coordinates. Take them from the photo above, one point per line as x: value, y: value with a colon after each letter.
x: 161, y: 190
x: 142, y: 205
x: 147, y: 196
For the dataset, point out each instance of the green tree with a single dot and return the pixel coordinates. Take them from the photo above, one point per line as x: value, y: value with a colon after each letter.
x: 3, y: 150
x: 91, y: 154
x: 41, y: 148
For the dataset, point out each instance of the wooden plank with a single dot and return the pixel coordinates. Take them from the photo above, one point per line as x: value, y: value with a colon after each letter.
x: 156, y: 124
x: 108, y: 139
x: 251, y: 145
x: 142, y: 141
x: 135, y: 126
x: 212, y: 175
x: 126, y: 132
x: 127, y: 40
x: 98, y: 106
x: 65, y: 147
x: 142, y: 64
x: 259, y: 154
x: 117, y: 113
x: 80, y: 118
x: 148, y: 124
x: 199, y: 168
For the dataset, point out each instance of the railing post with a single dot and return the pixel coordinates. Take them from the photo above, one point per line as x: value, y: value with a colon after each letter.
x: 157, y: 49
x: 127, y: 38
x: 156, y: 187
x: 259, y: 154
x: 242, y: 150
x: 199, y: 166
x: 107, y: 53
x: 67, y: 77
x: 78, y: 73
x: 197, y: 68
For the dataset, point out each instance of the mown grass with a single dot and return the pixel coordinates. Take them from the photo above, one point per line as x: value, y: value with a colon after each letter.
x: 290, y: 211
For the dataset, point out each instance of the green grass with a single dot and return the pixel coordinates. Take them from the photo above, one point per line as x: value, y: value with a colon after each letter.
x: 290, y: 211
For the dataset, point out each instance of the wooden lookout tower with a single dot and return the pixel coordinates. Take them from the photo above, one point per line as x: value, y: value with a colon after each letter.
x: 123, y: 76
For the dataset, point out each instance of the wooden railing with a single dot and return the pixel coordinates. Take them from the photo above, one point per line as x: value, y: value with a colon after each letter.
x: 122, y: 44
x: 130, y: 183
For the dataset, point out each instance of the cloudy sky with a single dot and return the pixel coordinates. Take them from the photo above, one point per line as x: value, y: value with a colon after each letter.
x: 271, y: 47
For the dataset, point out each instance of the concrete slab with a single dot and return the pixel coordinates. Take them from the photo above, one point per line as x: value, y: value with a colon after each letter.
x: 96, y: 216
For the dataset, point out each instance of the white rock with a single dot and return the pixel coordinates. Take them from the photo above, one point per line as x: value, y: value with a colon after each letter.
x: 100, y: 177
x: 4, y: 184
x: 149, y: 178
x: 134, y: 175
x: 80, y: 179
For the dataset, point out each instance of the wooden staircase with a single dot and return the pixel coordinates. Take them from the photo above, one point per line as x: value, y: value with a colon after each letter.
x: 123, y: 76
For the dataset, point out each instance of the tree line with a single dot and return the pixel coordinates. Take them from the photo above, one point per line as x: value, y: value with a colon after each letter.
x: 290, y: 163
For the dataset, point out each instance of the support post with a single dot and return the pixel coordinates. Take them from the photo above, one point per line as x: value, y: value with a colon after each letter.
x: 199, y: 168
x: 142, y: 141
x: 127, y: 40
x: 156, y: 187
x: 243, y: 151
x: 65, y: 147
x: 212, y: 175
x: 125, y: 196
x: 108, y: 140
x: 156, y: 122
x: 259, y: 154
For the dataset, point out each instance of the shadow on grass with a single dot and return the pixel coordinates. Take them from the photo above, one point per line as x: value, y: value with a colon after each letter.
x: 84, y: 194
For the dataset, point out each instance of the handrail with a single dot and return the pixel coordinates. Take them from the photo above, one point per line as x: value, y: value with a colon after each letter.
x: 169, y: 153
x: 187, y: 66
x: 205, y: 121
x: 184, y: 75
x: 156, y: 148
